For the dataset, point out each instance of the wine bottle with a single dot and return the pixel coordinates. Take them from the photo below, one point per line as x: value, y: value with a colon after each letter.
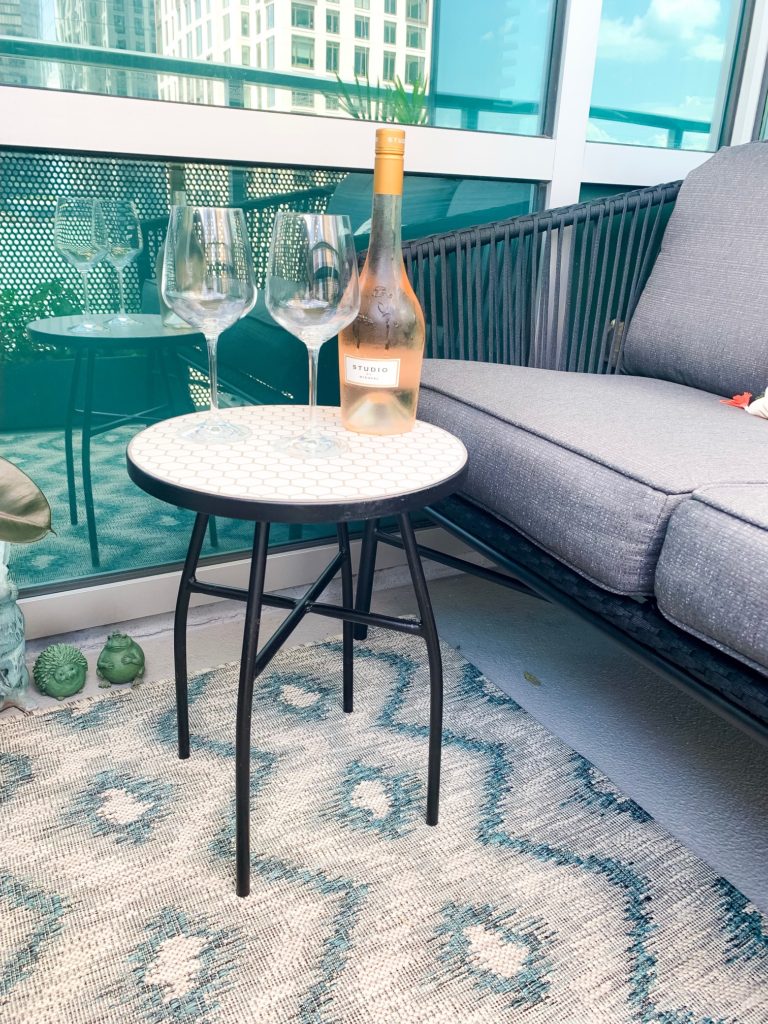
x: 178, y: 198
x: 380, y: 353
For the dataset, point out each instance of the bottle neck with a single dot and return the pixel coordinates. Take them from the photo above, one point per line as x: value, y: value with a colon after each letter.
x: 385, y: 245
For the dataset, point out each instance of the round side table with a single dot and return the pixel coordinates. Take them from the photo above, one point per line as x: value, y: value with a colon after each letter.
x: 257, y: 479
x: 147, y: 333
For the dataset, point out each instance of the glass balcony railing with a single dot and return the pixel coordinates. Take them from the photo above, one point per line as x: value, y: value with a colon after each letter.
x: 68, y: 407
x: 421, y: 62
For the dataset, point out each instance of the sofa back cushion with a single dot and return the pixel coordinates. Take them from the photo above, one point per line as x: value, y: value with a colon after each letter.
x: 702, y: 319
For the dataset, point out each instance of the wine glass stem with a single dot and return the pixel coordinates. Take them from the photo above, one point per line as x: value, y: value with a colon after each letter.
x: 121, y: 286
x: 314, y: 353
x: 213, y: 373
x: 87, y: 315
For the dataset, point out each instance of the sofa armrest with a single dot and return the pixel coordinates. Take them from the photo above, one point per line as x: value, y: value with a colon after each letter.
x: 555, y: 289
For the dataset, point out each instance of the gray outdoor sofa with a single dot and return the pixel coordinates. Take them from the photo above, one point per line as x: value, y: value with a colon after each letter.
x: 626, y: 491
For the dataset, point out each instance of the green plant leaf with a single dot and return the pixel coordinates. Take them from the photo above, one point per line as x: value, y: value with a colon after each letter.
x: 25, y: 515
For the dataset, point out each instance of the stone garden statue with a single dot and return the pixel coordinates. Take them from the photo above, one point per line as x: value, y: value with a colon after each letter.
x: 25, y: 517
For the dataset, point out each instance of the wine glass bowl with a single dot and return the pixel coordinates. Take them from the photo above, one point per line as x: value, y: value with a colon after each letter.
x: 313, y: 292
x: 208, y: 281
x: 124, y: 243
x: 80, y: 236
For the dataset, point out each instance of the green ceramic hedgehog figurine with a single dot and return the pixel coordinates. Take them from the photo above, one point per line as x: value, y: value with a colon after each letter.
x: 60, y: 671
x: 121, y: 660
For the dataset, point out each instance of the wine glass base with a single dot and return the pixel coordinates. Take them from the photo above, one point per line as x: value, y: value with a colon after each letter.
x: 122, y: 320
x: 88, y: 327
x: 313, y: 445
x: 214, y: 430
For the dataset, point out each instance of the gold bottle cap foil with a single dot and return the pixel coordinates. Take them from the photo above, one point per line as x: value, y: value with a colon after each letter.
x: 390, y: 141
x: 388, y: 168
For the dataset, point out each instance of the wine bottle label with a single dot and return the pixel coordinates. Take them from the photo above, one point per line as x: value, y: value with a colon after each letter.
x: 372, y: 373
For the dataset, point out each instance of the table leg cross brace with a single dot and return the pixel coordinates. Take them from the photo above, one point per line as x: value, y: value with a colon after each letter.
x: 254, y: 661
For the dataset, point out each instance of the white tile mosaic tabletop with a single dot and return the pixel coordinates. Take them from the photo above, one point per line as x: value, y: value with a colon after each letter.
x: 259, y: 469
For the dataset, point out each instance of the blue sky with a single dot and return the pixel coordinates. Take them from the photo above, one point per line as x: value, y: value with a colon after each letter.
x: 658, y: 56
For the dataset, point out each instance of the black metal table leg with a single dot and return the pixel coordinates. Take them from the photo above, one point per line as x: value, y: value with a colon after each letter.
x: 435, y: 666
x: 74, y: 387
x: 244, y: 707
x: 347, y: 599
x: 365, y: 574
x: 180, y: 631
x: 90, y: 515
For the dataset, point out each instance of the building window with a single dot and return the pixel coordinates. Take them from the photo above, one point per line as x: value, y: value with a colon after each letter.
x: 414, y: 70
x: 415, y: 38
x: 302, y: 52
x: 389, y: 66
x: 227, y: 27
x: 209, y: 35
x: 362, y: 27
x: 199, y: 40
x: 198, y: 8
x: 363, y: 5
x: 390, y: 6
x: 416, y: 10
x: 302, y: 99
x: 302, y: 16
x: 227, y: 56
x: 245, y: 24
x: 270, y: 45
x: 332, y: 57
x: 390, y: 33
x: 332, y: 22
x: 246, y: 56
x: 270, y: 12
x: 361, y: 61
x: 331, y: 102
x: 258, y: 23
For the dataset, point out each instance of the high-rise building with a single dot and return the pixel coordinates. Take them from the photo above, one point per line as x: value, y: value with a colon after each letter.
x: 377, y: 41
x: 129, y: 25
x: 20, y: 18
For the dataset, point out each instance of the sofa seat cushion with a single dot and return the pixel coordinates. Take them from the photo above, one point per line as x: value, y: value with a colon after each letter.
x: 712, y: 571
x: 589, y: 467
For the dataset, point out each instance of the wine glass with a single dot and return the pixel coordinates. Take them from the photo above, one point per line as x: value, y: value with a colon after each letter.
x: 124, y: 243
x: 208, y: 281
x: 80, y: 236
x: 313, y: 292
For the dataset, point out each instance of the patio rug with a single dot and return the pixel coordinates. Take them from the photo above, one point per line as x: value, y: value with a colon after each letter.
x: 543, y: 896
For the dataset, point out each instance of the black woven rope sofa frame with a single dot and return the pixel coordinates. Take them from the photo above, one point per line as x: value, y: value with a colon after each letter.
x: 557, y: 290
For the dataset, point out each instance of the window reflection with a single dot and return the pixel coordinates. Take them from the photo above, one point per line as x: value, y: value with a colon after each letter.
x: 663, y: 72
x: 103, y: 523
x: 486, y: 71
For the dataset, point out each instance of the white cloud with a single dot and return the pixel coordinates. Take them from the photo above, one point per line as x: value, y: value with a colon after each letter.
x: 709, y: 47
x: 666, y: 26
x: 597, y: 134
x: 628, y: 41
x: 685, y: 17
x: 696, y: 108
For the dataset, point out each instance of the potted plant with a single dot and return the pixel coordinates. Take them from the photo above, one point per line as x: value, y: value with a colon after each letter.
x: 25, y: 517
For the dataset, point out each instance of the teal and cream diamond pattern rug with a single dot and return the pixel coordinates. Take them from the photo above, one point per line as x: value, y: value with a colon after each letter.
x: 544, y: 896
